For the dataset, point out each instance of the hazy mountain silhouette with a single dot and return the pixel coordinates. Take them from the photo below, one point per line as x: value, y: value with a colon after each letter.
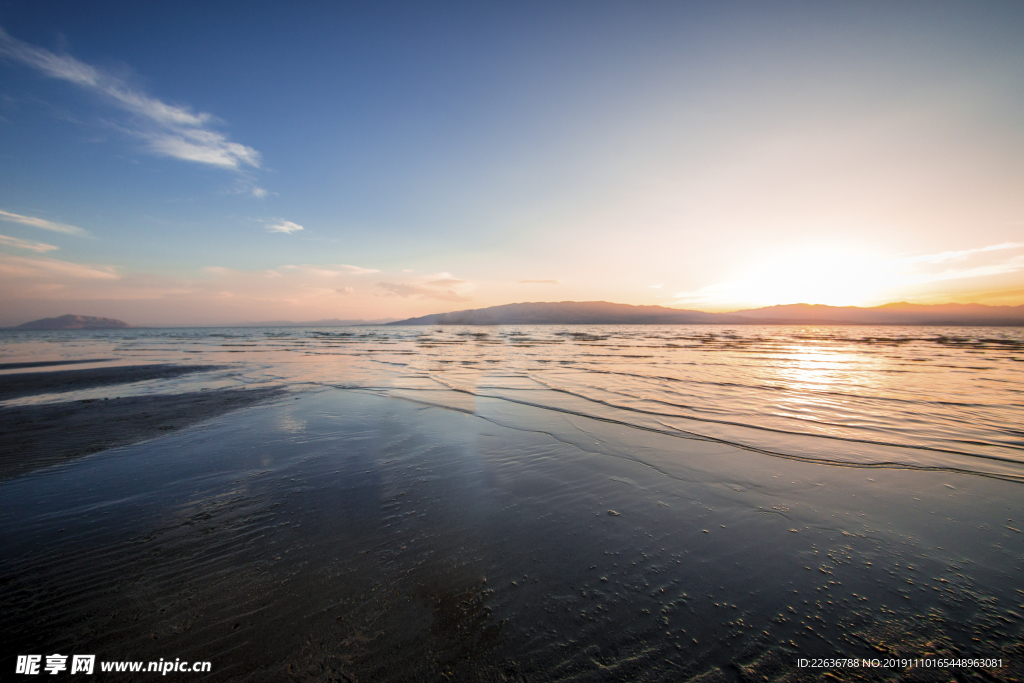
x: 605, y: 313
x: 572, y: 313
x: 73, y: 322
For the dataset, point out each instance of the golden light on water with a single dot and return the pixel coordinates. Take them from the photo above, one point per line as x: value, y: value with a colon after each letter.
x: 819, y: 383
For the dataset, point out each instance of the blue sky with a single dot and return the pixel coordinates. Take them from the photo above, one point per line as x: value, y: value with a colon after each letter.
x: 158, y: 160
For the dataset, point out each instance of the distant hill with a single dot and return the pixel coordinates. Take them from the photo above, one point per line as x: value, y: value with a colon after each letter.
x: 605, y: 313
x: 329, y: 322
x: 890, y: 314
x: 572, y: 313
x: 74, y: 322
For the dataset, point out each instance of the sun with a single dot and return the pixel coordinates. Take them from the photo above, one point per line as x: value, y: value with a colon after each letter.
x: 830, y: 275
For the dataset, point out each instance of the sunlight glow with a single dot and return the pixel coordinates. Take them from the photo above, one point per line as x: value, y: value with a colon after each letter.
x: 834, y: 276
x: 840, y: 275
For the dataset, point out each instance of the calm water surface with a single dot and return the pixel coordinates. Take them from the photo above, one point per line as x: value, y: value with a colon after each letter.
x: 915, y: 397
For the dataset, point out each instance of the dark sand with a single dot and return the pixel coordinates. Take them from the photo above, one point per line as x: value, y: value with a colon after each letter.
x: 51, y: 363
x: 38, y: 436
x: 60, y: 381
x: 352, y: 537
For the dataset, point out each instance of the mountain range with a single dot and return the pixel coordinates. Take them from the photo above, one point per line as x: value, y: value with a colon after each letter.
x: 605, y: 313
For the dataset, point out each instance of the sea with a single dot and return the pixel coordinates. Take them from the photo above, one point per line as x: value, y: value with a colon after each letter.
x: 587, y: 503
x: 915, y: 397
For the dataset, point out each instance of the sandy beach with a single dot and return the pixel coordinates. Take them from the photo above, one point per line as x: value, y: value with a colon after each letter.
x: 346, y: 535
x: 38, y: 436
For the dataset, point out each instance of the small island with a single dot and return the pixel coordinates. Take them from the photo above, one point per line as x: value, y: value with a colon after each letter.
x: 74, y: 322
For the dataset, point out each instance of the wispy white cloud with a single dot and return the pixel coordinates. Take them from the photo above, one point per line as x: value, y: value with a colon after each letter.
x: 39, y: 247
x: 947, y: 256
x: 539, y: 282
x: 168, y: 130
x: 328, y: 270
x: 44, y: 224
x: 21, y: 267
x: 356, y: 270
x: 202, y: 146
x: 284, y: 226
x: 414, y: 291
x: 1012, y: 265
x: 246, y: 185
x: 446, y: 282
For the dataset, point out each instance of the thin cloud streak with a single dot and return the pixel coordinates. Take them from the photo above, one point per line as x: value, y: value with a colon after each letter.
x: 1011, y: 266
x: 168, y: 130
x: 946, y: 256
x: 286, y: 227
x: 411, y: 291
x: 21, y: 267
x: 44, y: 224
x: 202, y: 146
x: 39, y: 247
x: 539, y: 282
x: 356, y: 270
x: 326, y: 270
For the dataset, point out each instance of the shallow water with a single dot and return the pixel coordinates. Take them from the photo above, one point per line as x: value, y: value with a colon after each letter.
x: 537, y: 503
x: 908, y: 396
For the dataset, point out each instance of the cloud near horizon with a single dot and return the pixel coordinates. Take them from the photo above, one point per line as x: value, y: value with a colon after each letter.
x: 415, y: 291
x: 35, y: 268
x: 168, y: 130
x: 356, y: 270
x: 44, y: 224
x: 39, y: 247
x: 327, y: 270
x: 539, y: 282
x: 947, y: 256
x: 446, y: 282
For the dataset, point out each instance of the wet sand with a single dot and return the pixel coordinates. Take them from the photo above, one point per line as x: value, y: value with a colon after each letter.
x: 38, y: 436
x: 17, y: 385
x: 353, y: 536
x: 51, y: 363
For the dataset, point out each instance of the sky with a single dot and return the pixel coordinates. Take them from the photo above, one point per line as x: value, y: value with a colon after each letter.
x: 198, y: 163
